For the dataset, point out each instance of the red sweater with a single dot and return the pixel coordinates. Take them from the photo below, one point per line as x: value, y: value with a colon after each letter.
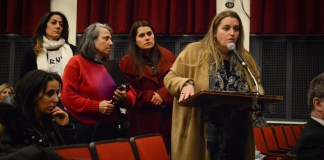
x: 85, y: 85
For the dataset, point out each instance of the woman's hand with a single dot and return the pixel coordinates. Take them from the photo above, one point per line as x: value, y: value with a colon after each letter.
x: 187, y: 91
x: 120, y: 94
x: 156, y: 99
x: 106, y: 107
x: 61, y: 117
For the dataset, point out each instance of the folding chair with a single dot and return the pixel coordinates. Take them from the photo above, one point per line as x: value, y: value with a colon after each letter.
x: 117, y: 149
x: 74, y: 151
x: 149, y: 147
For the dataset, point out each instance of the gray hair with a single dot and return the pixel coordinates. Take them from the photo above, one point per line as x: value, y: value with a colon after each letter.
x: 316, y: 89
x: 86, y: 47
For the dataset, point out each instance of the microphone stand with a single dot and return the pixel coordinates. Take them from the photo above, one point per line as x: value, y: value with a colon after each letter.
x: 231, y: 47
x: 254, y: 80
x: 255, y: 105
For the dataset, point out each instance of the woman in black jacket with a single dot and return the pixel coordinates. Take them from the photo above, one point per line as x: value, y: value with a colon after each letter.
x: 31, y: 115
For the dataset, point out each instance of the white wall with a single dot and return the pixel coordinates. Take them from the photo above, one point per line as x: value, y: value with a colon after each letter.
x: 69, y: 9
x: 220, y: 4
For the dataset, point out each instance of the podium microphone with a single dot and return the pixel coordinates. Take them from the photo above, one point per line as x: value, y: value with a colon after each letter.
x: 231, y: 47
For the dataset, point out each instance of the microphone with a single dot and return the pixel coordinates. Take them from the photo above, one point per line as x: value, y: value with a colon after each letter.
x: 231, y: 47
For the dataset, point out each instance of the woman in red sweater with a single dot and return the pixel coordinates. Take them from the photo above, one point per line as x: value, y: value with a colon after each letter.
x: 89, y: 90
x: 145, y: 66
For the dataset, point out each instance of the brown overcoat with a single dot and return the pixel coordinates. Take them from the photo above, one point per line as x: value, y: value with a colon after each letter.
x: 188, y: 137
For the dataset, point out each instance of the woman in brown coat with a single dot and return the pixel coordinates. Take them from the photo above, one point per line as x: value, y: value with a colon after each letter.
x: 199, y: 133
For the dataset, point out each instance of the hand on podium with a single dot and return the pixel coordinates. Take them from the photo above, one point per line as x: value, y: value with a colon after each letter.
x: 187, y: 90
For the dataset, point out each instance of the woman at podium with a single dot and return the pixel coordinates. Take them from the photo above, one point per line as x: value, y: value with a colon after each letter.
x: 207, y: 132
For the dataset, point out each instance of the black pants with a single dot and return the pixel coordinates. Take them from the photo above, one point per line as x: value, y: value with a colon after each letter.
x: 227, y: 132
x: 89, y: 133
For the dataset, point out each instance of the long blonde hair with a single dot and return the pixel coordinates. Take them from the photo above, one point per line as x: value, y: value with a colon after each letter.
x: 209, y: 47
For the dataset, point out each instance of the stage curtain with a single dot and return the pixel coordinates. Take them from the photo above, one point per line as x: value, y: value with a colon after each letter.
x: 157, y: 13
x: 287, y: 17
x: 191, y: 16
x: 21, y: 16
x: 115, y: 13
x: 166, y: 16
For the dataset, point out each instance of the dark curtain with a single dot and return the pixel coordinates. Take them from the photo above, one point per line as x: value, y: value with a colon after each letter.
x: 166, y: 16
x: 21, y: 16
x: 287, y: 16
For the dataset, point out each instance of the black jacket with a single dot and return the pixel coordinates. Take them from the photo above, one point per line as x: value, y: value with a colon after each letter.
x: 310, y: 144
x: 20, y: 132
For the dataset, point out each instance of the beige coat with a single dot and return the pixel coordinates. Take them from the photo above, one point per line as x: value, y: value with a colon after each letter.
x: 188, y: 141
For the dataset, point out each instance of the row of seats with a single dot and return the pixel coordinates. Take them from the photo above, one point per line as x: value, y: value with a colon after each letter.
x: 145, y: 147
x: 277, y: 142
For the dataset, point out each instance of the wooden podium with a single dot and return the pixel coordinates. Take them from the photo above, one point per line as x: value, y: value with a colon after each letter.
x: 216, y: 98
x: 234, y: 132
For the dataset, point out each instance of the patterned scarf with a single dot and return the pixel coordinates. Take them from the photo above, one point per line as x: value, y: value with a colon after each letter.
x: 221, y: 80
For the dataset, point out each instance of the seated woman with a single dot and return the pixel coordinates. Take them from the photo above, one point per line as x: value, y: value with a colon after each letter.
x: 5, y: 90
x: 31, y: 115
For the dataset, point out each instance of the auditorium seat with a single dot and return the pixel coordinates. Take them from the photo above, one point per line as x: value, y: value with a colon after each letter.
x: 259, y: 140
x: 281, y: 138
x: 271, y: 140
x: 261, y: 146
x: 291, y: 140
x: 149, y: 147
x: 74, y: 151
x: 297, y: 131
x: 302, y: 127
x: 116, y: 149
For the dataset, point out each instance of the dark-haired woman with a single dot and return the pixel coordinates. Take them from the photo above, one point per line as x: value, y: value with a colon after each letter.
x: 31, y: 115
x: 50, y: 50
x: 145, y: 66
